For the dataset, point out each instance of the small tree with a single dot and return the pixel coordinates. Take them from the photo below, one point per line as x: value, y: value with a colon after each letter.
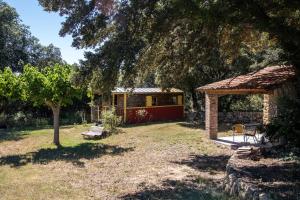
x: 11, y: 88
x: 10, y: 85
x: 50, y: 86
x: 110, y: 120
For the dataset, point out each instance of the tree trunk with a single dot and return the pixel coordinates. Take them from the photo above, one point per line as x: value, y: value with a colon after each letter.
x: 56, y: 110
x: 194, y: 100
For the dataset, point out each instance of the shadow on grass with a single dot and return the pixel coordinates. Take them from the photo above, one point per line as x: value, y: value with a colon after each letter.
x: 12, y: 135
x: 281, y: 179
x: 193, y: 125
x: 16, y: 134
x: 222, y: 127
x: 68, y: 154
x: 194, y: 187
x: 150, y: 123
x: 175, y: 190
x: 207, y: 163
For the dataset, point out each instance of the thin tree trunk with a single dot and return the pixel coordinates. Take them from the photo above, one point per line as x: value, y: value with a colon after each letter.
x: 194, y: 101
x: 56, y: 111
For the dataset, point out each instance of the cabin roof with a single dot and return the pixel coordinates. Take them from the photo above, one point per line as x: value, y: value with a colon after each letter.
x: 122, y: 90
x: 265, y: 79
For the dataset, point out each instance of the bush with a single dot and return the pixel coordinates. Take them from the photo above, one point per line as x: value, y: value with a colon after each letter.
x: 110, y: 120
x: 287, y: 123
x: 23, y: 119
x: 248, y: 103
x: 70, y: 118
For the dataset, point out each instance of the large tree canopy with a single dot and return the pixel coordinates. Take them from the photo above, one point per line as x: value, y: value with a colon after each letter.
x: 18, y: 46
x: 181, y: 43
x: 130, y: 28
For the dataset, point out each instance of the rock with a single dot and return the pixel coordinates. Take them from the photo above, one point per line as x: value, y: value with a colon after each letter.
x: 264, y: 196
x: 235, y: 182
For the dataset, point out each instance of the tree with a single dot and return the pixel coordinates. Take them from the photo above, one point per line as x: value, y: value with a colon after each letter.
x: 11, y: 88
x: 41, y: 56
x: 11, y: 91
x: 50, y: 86
x: 12, y: 38
x: 184, y: 35
x: 19, y: 47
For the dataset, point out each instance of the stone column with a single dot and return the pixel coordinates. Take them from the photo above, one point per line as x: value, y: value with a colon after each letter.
x: 270, y: 107
x: 211, y: 115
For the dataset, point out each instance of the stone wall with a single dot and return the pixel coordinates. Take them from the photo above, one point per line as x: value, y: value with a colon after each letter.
x: 270, y: 100
x: 237, y: 185
x: 238, y: 182
x: 233, y: 117
x: 240, y: 117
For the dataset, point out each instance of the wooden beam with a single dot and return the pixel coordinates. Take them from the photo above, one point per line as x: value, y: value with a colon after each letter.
x: 237, y: 91
x: 113, y: 100
x: 98, y: 113
x: 125, y: 107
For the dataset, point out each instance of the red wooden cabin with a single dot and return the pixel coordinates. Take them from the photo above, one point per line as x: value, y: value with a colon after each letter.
x: 141, y: 105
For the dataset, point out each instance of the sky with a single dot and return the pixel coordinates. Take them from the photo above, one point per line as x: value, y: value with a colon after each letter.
x: 45, y: 26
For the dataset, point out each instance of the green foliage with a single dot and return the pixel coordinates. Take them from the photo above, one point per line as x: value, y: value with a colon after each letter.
x: 110, y: 120
x: 286, y: 124
x: 168, y: 43
x: 11, y: 93
x: 248, y: 103
x: 50, y: 85
x: 18, y: 46
x: 10, y: 86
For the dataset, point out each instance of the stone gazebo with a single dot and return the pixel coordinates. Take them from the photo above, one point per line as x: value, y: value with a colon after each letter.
x: 271, y: 81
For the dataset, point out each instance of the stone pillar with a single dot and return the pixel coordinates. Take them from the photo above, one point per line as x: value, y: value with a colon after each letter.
x: 211, y: 115
x: 270, y: 107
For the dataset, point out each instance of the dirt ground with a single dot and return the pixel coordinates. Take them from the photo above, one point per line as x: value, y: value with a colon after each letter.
x: 157, y: 161
x: 274, y: 172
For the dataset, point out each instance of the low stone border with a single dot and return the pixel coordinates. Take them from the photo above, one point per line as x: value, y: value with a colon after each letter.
x: 238, y: 185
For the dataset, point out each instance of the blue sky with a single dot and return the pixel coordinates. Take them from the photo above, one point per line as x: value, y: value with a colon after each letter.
x: 45, y: 26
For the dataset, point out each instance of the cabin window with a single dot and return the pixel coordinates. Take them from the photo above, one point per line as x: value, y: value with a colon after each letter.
x: 116, y: 100
x: 154, y: 101
x: 174, y: 100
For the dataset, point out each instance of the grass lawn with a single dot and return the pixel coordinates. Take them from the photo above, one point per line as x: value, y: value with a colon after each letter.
x: 155, y: 161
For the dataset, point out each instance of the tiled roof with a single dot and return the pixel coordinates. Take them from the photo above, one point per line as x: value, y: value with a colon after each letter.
x: 145, y: 90
x: 266, y: 79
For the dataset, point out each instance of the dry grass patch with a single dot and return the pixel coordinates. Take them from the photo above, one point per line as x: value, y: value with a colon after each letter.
x: 155, y: 161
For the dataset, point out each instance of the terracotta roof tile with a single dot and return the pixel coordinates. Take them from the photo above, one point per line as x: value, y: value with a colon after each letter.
x: 267, y: 79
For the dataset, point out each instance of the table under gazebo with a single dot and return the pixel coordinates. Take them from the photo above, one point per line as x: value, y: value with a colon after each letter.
x: 272, y: 82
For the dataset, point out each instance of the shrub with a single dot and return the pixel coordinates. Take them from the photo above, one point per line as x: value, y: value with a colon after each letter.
x: 287, y: 124
x: 142, y: 115
x: 248, y: 103
x: 110, y: 120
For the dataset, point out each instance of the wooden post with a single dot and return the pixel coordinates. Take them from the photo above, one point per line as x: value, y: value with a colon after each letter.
x: 125, y: 107
x: 98, y: 113
x: 92, y: 117
x: 211, y: 115
x: 148, y: 101
x: 113, y: 100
